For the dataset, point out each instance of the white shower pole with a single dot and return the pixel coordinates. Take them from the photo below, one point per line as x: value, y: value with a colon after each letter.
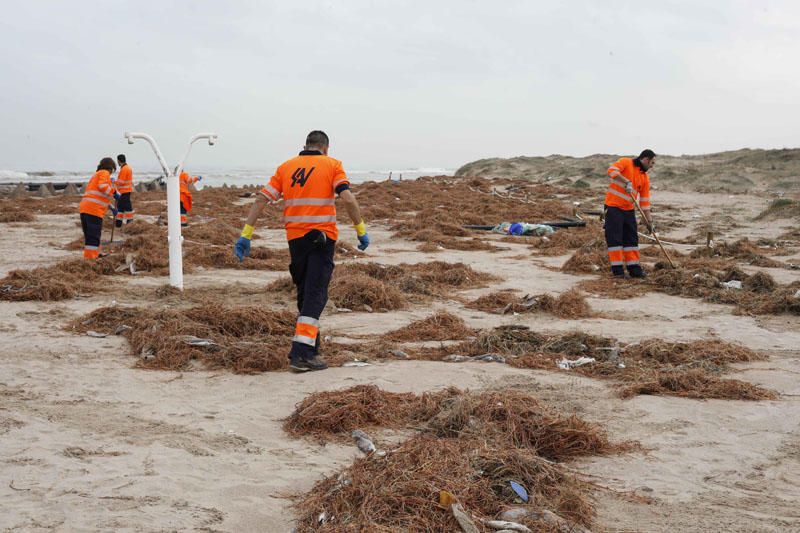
x: 173, y: 202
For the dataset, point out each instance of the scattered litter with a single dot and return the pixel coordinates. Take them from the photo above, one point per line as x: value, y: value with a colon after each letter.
x: 343, y: 310
x: 519, y: 490
x: 456, y: 358
x: 490, y: 358
x: 363, y: 441
x: 446, y: 499
x: 508, y: 526
x: 732, y: 284
x: 797, y: 294
x: 400, y: 354
x: 523, y: 228
x: 96, y: 335
x: 466, y: 523
x: 191, y: 340
x: 322, y: 518
x: 122, y: 329
x: 356, y: 363
x: 566, y: 364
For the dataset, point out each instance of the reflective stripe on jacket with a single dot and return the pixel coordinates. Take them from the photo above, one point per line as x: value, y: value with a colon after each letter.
x: 307, y: 184
x: 125, y: 179
x: 99, y: 194
x: 621, y: 173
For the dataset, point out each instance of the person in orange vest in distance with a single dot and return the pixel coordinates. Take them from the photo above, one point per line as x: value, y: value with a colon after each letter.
x: 125, y: 189
x: 308, y: 185
x: 628, y: 179
x: 95, y: 202
x: 186, y: 195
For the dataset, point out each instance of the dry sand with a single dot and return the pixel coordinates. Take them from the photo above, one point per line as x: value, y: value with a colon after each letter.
x: 89, y: 443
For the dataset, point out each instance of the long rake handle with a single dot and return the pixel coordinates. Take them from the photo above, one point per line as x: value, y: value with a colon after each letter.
x: 653, y: 233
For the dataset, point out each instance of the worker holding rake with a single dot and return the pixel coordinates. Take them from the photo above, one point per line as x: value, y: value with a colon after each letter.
x: 95, y: 202
x: 629, y: 185
x: 308, y: 185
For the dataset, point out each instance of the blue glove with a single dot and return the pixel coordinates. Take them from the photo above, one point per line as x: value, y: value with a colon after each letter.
x: 117, y: 196
x: 242, y: 248
x: 199, y: 178
x: 364, y: 240
x: 114, y: 211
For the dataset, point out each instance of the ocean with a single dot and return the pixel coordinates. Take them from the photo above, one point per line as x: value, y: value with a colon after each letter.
x: 213, y: 177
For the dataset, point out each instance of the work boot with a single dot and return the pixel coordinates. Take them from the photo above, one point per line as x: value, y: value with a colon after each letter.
x: 304, y: 365
x: 636, y: 272
x: 617, y: 271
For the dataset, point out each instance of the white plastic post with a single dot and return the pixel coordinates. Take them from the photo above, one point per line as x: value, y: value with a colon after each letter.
x: 173, y: 202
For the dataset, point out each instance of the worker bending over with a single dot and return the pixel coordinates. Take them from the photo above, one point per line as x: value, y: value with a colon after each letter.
x: 125, y: 189
x: 308, y: 185
x: 186, y: 195
x: 629, y: 180
x: 94, y: 204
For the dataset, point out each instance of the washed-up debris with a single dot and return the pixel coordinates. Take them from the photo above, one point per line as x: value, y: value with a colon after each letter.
x: 519, y: 490
x: 323, y: 518
x: 732, y: 284
x: 523, y: 228
x: 519, y: 513
x: 505, y: 525
x: 399, y: 354
x: 487, y: 357
x: 356, y: 363
x: 490, y: 358
x: 191, y: 340
x: 122, y: 328
x: 566, y: 364
x: 797, y: 294
x: 464, y: 521
x: 363, y: 441
x: 96, y: 335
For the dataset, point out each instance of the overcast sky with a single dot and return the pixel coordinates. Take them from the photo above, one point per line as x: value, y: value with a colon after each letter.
x: 395, y: 84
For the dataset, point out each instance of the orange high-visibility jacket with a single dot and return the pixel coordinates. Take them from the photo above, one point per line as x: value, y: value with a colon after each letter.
x: 186, y: 194
x: 622, y: 172
x: 307, y: 184
x: 125, y: 179
x: 98, y: 195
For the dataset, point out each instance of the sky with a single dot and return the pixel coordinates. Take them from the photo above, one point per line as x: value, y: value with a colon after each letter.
x: 396, y: 84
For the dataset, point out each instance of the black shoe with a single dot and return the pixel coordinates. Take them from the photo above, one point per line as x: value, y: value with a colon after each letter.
x: 637, y: 273
x: 618, y: 272
x: 305, y: 365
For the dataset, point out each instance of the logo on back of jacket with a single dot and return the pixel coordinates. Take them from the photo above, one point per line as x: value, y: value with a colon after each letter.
x: 300, y: 176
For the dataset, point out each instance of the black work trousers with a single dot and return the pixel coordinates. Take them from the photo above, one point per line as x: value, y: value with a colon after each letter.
x: 311, y: 268
x: 622, y: 240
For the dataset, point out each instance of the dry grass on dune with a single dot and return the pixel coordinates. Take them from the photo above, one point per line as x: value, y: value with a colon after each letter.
x: 470, y: 445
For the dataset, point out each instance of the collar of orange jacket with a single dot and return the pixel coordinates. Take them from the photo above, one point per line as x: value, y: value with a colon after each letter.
x: 310, y: 152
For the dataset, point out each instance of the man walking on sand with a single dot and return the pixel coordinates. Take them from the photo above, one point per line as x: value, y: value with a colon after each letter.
x: 308, y: 185
x: 629, y: 180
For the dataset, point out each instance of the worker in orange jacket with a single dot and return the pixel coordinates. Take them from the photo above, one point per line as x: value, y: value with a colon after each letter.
x: 308, y: 185
x: 629, y: 180
x: 124, y: 186
x: 95, y: 202
x: 186, y: 195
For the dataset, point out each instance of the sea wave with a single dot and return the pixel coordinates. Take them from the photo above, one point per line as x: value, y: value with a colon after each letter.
x: 213, y: 177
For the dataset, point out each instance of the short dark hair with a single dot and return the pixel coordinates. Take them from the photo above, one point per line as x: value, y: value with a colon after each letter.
x: 647, y: 152
x: 107, y: 164
x: 121, y: 158
x: 317, y: 138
